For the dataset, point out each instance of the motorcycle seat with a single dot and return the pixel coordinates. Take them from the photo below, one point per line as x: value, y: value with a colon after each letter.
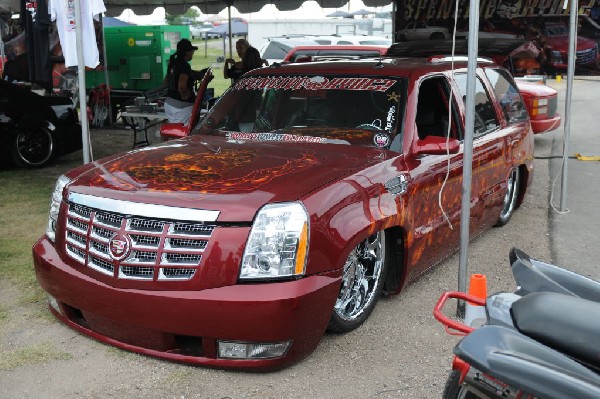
x: 566, y: 323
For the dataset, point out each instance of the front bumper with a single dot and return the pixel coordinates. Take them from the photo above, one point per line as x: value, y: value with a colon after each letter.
x: 545, y: 125
x: 186, y: 325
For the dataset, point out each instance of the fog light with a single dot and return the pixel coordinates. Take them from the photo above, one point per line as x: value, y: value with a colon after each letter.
x: 252, y: 350
x: 53, y: 303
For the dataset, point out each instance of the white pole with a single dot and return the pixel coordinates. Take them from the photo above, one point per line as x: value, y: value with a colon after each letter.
x: 570, y: 73
x: 465, y: 210
x: 85, y: 130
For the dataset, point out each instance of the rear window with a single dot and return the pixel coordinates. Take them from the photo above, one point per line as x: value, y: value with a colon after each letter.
x: 361, y: 110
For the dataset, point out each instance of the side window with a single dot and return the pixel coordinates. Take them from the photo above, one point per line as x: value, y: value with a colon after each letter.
x: 432, y: 110
x: 485, y: 115
x: 508, y: 95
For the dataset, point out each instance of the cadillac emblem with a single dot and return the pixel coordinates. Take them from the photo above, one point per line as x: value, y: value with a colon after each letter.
x: 119, y: 246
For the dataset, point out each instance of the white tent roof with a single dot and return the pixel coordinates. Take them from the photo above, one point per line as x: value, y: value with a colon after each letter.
x: 140, y: 7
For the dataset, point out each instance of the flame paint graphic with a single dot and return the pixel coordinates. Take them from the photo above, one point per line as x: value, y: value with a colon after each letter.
x: 203, y: 172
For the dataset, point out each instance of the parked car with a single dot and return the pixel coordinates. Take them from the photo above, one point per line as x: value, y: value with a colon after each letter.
x: 307, y: 191
x: 276, y: 48
x: 556, y: 34
x: 418, y: 30
x: 202, y: 31
x: 542, y: 103
x: 357, y: 40
x: 36, y: 129
x: 312, y: 53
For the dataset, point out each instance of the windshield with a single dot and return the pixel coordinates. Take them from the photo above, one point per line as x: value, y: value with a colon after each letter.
x: 344, y: 109
x: 556, y: 30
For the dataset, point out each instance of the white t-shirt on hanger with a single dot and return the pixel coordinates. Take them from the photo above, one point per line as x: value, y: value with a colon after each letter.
x: 63, y: 12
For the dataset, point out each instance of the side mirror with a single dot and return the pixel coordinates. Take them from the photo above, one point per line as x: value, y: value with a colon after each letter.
x: 169, y: 131
x: 436, y: 145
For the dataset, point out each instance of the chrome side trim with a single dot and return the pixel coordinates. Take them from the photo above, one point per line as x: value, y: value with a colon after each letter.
x: 143, y: 210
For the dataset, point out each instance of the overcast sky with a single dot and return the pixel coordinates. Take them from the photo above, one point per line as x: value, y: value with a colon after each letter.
x: 309, y: 10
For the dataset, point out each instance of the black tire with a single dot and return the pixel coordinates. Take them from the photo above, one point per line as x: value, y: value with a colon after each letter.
x: 362, y: 283
x: 32, y: 147
x: 510, y: 198
x: 454, y: 390
x: 437, y: 36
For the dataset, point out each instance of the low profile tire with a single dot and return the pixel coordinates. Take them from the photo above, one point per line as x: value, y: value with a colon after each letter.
x: 32, y: 147
x: 510, y: 198
x: 362, y: 283
x: 453, y: 389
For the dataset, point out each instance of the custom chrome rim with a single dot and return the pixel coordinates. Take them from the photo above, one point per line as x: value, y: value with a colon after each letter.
x: 362, y: 273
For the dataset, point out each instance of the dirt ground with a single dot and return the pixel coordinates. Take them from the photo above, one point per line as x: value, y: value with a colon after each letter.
x: 400, y: 352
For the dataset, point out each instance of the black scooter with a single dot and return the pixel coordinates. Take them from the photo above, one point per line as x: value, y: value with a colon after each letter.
x: 541, y: 341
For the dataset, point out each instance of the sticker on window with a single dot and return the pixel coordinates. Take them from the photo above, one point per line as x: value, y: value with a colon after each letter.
x: 290, y: 138
x: 313, y: 83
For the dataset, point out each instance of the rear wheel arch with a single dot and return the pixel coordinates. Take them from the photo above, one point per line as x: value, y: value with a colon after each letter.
x: 523, y: 184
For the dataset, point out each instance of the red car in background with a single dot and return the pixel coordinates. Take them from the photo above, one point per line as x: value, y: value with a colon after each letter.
x: 314, y: 53
x: 518, y: 56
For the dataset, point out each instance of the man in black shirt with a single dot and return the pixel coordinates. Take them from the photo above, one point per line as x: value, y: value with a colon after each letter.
x: 250, y: 59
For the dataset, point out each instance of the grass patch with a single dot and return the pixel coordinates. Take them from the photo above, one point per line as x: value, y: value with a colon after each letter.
x: 3, y: 314
x: 35, y: 354
x: 24, y: 199
x: 206, y: 56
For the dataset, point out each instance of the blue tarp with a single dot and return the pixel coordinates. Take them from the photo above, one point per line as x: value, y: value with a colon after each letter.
x: 237, y: 29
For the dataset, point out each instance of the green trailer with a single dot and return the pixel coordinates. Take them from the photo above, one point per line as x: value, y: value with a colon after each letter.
x: 136, y: 59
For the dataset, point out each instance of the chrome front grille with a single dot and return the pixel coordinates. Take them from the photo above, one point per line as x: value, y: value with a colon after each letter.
x: 586, y: 56
x: 156, y: 249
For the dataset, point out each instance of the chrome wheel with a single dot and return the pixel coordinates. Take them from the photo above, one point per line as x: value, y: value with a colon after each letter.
x: 362, y: 281
x: 510, y: 198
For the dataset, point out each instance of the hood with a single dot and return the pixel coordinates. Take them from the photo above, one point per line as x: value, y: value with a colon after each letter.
x: 561, y: 43
x: 215, y: 173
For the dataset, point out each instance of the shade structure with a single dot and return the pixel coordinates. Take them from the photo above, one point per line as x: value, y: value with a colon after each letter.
x: 339, y: 13
x: 112, y: 21
x: 363, y: 12
x: 116, y: 7
x: 237, y: 29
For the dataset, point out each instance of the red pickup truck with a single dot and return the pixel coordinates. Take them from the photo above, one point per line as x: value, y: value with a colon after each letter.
x: 304, y: 194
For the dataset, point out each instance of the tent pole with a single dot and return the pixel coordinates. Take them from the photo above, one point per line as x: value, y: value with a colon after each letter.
x: 229, y: 22
x: 110, y: 116
x: 465, y: 209
x: 570, y: 73
x: 85, y: 130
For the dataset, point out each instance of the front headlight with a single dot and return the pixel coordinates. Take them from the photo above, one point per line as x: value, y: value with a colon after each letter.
x: 55, y: 206
x: 556, y: 57
x: 278, y: 242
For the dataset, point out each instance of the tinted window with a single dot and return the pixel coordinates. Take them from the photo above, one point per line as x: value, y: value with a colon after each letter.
x: 508, y: 95
x: 485, y: 116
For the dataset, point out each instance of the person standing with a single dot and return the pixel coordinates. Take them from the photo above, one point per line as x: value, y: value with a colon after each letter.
x: 250, y: 59
x: 180, y: 83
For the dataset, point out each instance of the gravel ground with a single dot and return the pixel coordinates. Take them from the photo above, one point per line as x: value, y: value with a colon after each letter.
x: 400, y: 352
